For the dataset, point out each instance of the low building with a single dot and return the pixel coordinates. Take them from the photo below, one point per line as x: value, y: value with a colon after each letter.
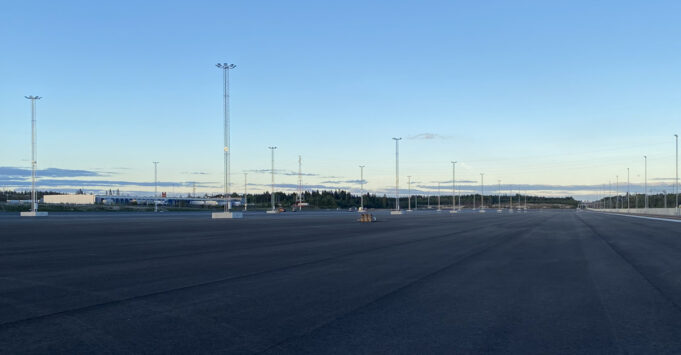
x: 69, y: 199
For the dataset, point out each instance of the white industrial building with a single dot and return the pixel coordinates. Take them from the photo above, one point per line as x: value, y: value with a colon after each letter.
x: 69, y: 199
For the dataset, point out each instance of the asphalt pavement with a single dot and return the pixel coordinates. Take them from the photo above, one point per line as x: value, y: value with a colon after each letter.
x: 541, y: 282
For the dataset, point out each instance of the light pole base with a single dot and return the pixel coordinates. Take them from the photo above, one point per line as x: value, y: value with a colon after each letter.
x: 33, y: 214
x: 454, y: 211
x: 395, y: 212
x: 482, y: 211
x: 272, y: 211
x: 499, y: 211
x: 227, y: 215
x: 410, y: 210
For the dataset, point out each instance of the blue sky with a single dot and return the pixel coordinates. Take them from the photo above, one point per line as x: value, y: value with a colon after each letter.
x: 556, y: 97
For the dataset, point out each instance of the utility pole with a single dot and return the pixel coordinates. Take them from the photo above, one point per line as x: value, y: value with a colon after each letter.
x: 454, y: 210
x: 273, y: 207
x: 397, y: 175
x: 438, y: 196
x: 676, y: 179
x: 361, y: 187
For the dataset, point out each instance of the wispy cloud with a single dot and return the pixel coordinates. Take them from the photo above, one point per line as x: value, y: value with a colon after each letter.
x: 428, y: 136
x: 305, y: 187
x: 356, y: 182
x: 49, y: 172
x: 279, y: 172
x: 47, y: 182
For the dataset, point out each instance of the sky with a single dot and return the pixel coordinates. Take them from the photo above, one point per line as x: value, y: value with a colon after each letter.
x: 550, y: 97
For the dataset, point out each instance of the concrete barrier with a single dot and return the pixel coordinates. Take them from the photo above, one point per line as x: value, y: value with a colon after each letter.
x: 650, y: 211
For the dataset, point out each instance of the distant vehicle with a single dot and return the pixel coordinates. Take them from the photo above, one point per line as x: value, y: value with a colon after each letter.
x: 352, y: 209
x: 282, y: 209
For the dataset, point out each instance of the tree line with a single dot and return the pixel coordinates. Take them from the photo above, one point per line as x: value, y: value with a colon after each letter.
x: 344, y: 199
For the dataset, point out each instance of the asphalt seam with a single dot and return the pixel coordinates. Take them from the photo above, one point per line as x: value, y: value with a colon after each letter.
x: 633, y: 266
x: 218, y: 281
x: 408, y: 285
x: 599, y: 293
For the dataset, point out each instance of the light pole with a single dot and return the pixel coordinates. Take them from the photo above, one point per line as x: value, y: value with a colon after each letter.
x: 300, y: 183
x: 482, y: 192
x: 645, y: 184
x: 397, y: 176
x: 245, y: 191
x: 155, y: 178
x: 226, y: 67
x: 676, y: 179
x: 34, y: 162
x: 273, y: 208
x: 155, y: 185
x: 409, y: 196
x: 225, y: 91
x: 499, y: 192
x: 361, y: 187
x: 416, y: 200
x: 438, y: 196
x: 628, y: 207
x: 454, y: 210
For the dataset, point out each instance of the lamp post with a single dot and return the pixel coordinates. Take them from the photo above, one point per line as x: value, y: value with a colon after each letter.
x: 499, y: 192
x: 482, y: 192
x: 438, y: 196
x: 34, y: 161
x: 226, y: 67
x: 245, y: 191
x: 273, y: 207
x: 155, y: 186
x: 676, y: 179
x: 225, y: 91
x: 409, y: 193
x: 397, y: 176
x: 416, y: 199
x: 628, y: 192
x: 454, y: 210
x: 645, y: 184
x: 361, y: 187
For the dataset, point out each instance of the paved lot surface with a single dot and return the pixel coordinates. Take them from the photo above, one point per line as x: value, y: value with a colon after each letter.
x: 545, y: 282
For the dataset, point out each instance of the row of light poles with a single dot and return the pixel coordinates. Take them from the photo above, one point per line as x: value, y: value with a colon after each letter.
x: 397, y: 185
x: 619, y: 205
